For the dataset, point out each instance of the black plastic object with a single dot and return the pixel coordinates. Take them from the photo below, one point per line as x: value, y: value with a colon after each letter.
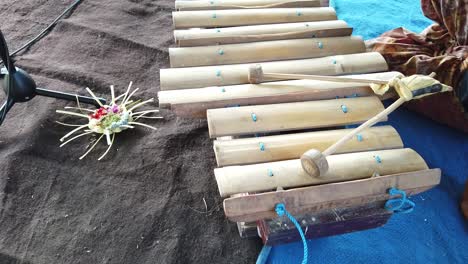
x: 20, y: 87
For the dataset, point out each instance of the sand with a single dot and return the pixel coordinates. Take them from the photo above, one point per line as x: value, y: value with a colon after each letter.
x: 144, y: 202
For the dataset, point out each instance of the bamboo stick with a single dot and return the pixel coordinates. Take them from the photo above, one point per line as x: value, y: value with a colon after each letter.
x: 195, y: 102
x: 289, y: 173
x: 241, y: 17
x: 245, y: 4
x: 292, y: 146
x: 328, y: 196
x: 243, y: 34
x: 264, y: 51
x: 196, y: 77
x: 291, y: 116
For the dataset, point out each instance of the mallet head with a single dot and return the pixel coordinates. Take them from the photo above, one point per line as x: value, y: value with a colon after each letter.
x: 314, y: 163
x: 255, y: 74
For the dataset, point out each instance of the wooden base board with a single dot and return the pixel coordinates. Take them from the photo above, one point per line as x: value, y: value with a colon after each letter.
x: 316, y: 198
x: 327, y: 223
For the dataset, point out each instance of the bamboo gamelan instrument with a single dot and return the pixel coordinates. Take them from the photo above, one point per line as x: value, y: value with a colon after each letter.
x: 261, y: 130
x: 245, y: 34
x: 242, y: 17
x: 204, y: 76
x: 183, y: 5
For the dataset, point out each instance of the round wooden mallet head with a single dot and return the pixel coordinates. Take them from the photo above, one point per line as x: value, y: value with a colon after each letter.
x: 314, y: 163
x: 255, y: 74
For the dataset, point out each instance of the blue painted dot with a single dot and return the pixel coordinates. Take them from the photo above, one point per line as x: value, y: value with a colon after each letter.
x: 218, y: 30
x: 254, y: 117
x: 221, y: 52
x: 218, y: 73
x: 262, y: 146
x: 378, y: 159
x: 336, y: 97
x: 212, y: 2
x: 344, y: 109
x: 298, y: 13
x: 320, y: 45
x: 359, y: 137
x: 334, y: 61
x: 270, y: 173
x: 355, y: 95
x: 213, y: 16
x: 223, y: 90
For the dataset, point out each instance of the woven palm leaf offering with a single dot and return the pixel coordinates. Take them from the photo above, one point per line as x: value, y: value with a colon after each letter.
x: 108, y: 120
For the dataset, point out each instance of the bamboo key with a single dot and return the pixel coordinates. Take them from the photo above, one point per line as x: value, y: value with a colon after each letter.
x: 256, y: 76
x: 315, y: 163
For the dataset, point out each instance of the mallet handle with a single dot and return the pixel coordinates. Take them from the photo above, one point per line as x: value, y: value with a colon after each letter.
x: 330, y: 150
x: 321, y: 78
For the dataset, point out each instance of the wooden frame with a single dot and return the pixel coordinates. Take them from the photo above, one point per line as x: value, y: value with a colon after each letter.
x: 315, y: 198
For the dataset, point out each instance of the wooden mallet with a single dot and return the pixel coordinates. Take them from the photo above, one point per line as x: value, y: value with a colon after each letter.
x: 315, y: 163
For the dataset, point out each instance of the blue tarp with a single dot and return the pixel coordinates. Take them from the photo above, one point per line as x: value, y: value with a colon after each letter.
x: 435, y: 232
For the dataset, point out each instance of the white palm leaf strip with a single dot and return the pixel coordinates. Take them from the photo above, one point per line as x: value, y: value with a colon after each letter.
x: 92, y: 147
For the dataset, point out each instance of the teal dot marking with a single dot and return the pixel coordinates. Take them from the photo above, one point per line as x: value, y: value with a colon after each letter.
x: 221, y: 52
x: 270, y: 173
x: 262, y: 146
x: 359, y: 137
x: 254, y: 117
x: 378, y: 159
x: 344, y: 109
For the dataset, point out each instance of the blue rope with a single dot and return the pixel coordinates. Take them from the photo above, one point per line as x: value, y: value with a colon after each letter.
x: 399, y: 205
x: 281, y: 210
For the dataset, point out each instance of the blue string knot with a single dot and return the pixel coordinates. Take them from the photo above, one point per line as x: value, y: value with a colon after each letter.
x: 399, y: 205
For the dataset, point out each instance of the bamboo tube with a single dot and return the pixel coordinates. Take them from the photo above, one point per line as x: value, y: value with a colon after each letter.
x: 196, y: 77
x: 289, y: 173
x: 195, y: 102
x: 291, y: 116
x: 231, y: 35
x: 264, y: 51
x: 292, y: 146
x: 242, y: 17
x: 245, y: 4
